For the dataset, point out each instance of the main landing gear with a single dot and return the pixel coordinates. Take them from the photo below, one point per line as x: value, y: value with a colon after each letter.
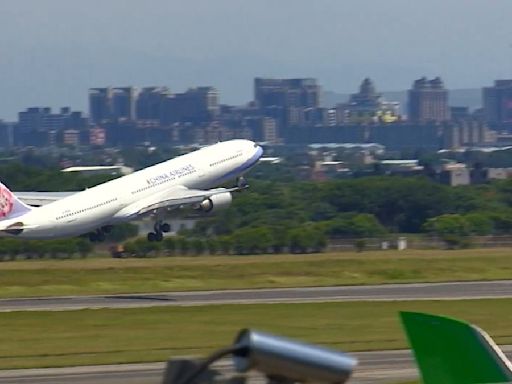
x: 99, y: 235
x: 160, y: 228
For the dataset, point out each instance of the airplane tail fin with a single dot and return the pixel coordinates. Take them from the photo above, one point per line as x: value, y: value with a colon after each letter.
x: 10, y: 206
x: 450, y: 351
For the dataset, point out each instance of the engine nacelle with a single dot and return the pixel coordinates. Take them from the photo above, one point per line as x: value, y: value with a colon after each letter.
x: 216, y: 202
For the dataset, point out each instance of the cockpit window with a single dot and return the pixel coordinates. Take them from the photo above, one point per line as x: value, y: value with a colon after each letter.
x: 255, y: 145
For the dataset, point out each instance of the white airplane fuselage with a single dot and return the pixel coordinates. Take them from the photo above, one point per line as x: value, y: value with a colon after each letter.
x: 108, y: 203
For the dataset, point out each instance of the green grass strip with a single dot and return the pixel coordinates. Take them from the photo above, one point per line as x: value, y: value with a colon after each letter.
x: 107, y: 336
x: 108, y: 276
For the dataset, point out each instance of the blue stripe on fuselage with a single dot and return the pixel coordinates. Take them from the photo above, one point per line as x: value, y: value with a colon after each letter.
x: 242, y: 168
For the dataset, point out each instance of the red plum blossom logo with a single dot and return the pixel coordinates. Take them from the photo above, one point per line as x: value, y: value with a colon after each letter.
x: 6, y: 201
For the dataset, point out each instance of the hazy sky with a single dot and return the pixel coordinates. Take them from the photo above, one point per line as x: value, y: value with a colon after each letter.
x: 52, y: 51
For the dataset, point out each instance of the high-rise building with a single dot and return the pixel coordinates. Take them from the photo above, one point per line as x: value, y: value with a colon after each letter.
x: 35, y: 124
x: 112, y: 103
x: 42, y: 119
x: 6, y: 135
x: 35, y: 119
x: 497, y: 102
x: 286, y: 100
x: 123, y: 103
x: 149, y: 103
x: 428, y: 101
x: 100, y: 104
x: 196, y: 105
x: 286, y: 93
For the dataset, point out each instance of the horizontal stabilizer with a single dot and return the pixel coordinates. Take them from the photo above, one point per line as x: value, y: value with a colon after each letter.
x: 41, y: 198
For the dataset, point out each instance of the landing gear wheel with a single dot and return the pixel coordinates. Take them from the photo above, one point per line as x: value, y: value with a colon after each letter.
x: 96, y: 237
x: 165, y: 228
x: 93, y: 237
x: 241, y: 182
x: 106, y: 229
x: 151, y: 236
x: 100, y: 236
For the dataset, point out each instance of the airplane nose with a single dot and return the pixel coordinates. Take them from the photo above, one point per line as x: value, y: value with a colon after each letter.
x: 259, y: 151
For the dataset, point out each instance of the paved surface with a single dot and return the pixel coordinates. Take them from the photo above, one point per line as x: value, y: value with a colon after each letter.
x: 374, y: 368
x: 441, y: 291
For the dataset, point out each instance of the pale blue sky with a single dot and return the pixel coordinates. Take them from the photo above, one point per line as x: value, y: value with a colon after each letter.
x: 52, y: 51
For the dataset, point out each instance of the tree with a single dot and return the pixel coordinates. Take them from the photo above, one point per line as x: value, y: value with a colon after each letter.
x: 306, y: 239
x: 355, y: 225
x: 479, y: 223
x: 142, y: 247
x: 280, y: 239
x: 84, y: 247
x: 213, y: 245
x: 225, y: 244
x: 130, y: 248
x: 449, y: 224
x: 366, y: 225
x: 121, y: 232
x: 197, y: 246
x: 451, y: 228
x: 252, y: 240
x: 169, y: 244
x: 298, y: 241
x: 183, y: 245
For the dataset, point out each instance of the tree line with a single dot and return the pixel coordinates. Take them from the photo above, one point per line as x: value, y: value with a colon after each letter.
x: 11, y: 249
x: 366, y: 207
x: 303, y: 216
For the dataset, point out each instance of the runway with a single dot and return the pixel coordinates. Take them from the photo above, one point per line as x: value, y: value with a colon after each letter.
x: 374, y: 368
x: 417, y: 291
x: 386, y: 292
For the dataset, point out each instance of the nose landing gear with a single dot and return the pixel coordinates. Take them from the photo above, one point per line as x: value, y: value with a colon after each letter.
x: 241, y: 182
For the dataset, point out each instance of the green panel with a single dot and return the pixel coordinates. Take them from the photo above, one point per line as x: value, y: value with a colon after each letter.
x: 449, y: 351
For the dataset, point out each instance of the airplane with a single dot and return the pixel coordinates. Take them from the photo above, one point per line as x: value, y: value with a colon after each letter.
x: 183, y: 181
x: 451, y: 351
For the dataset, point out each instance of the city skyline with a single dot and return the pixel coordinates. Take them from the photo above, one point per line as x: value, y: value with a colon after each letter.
x: 62, y: 49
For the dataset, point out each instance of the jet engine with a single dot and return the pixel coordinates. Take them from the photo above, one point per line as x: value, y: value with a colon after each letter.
x: 216, y: 202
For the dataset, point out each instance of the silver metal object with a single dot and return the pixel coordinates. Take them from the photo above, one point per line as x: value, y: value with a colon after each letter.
x: 287, y: 360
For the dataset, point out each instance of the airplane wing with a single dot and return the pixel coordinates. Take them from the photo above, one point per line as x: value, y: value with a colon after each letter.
x: 178, y: 197
x: 41, y: 198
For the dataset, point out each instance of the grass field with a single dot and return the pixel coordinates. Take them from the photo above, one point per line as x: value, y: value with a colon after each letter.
x: 96, y: 276
x: 38, y: 339
x: 107, y: 276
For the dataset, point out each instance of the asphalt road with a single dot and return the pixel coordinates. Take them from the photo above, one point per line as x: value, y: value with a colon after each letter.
x: 441, y: 291
x: 373, y: 368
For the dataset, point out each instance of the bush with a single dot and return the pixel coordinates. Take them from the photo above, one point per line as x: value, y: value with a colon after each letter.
x: 169, y: 244
x: 213, y: 245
